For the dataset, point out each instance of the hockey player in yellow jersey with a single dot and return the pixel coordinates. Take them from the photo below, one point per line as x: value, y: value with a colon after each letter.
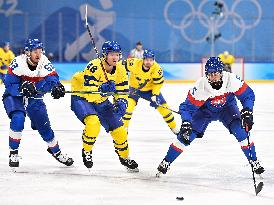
x: 94, y: 110
x: 6, y: 56
x: 227, y: 60
x: 146, y: 81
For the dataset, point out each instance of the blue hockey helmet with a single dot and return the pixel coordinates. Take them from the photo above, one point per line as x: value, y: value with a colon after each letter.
x: 148, y: 54
x: 32, y: 44
x: 110, y: 46
x: 214, y: 65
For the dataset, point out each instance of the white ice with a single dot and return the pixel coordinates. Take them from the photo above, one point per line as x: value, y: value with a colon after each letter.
x: 212, y: 170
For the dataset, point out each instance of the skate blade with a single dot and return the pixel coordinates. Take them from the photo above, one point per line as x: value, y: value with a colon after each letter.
x: 259, y: 188
x: 158, y: 174
x: 132, y: 170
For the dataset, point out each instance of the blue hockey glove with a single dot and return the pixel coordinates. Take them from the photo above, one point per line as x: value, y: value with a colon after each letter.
x: 155, y: 101
x: 120, y: 107
x: 247, y: 119
x: 185, y: 132
x: 107, y: 87
x: 28, y: 89
x: 4, y: 67
x: 58, y: 91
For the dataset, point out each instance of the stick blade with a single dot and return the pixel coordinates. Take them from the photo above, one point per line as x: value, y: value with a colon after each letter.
x: 259, y: 188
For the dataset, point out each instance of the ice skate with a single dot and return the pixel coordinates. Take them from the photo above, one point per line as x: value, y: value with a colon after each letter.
x: 130, y: 164
x: 64, y: 159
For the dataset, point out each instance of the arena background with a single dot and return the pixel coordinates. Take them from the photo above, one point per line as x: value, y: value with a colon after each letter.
x: 178, y: 30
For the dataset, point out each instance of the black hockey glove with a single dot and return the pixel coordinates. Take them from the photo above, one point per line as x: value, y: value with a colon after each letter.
x: 185, y: 132
x: 247, y: 119
x: 58, y: 91
x: 28, y: 89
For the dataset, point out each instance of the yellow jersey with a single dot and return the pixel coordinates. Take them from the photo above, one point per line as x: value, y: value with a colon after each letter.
x: 227, y: 59
x: 5, y: 59
x: 151, y: 80
x: 93, y: 76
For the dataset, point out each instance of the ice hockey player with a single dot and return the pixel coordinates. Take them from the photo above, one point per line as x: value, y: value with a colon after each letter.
x: 227, y: 59
x: 94, y: 110
x: 212, y: 99
x: 146, y: 80
x: 29, y: 74
x: 6, y: 56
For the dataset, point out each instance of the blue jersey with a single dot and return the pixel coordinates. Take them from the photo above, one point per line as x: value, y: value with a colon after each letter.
x: 44, y: 76
x: 203, y: 96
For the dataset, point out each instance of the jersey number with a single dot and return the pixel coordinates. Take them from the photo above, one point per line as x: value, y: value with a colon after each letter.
x: 13, y: 64
x: 92, y: 68
x: 49, y: 67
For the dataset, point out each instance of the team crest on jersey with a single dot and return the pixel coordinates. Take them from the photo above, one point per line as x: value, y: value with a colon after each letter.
x: 219, y: 101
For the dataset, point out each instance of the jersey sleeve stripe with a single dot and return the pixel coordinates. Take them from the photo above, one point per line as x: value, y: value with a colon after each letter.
x: 157, y: 79
x: 242, y: 89
x: 122, y: 84
x: 194, y: 101
x: 124, y: 90
x: 90, y: 77
x: 10, y: 71
x: 159, y: 82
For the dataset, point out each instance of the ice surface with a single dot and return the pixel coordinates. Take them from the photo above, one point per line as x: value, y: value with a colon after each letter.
x: 212, y: 170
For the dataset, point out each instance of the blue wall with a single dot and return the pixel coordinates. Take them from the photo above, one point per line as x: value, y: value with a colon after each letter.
x: 180, y: 71
x: 176, y: 29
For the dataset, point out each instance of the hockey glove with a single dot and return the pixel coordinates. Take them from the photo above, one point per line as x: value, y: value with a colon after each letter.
x: 58, y: 91
x: 155, y: 101
x: 247, y: 119
x: 185, y: 132
x: 28, y: 89
x: 107, y: 87
x: 119, y: 107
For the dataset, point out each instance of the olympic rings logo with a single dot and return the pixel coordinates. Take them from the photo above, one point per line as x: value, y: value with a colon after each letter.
x: 205, y: 21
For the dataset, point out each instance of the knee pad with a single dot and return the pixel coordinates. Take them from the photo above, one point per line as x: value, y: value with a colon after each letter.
x: 93, y: 125
x: 167, y: 115
x: 17, y: 121
x: 127, y: 117
x: 236, y: 129
x: 119, y: 135
x: 131, y: 104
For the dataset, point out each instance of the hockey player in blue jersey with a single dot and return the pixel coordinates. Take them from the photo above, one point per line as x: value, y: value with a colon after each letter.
x: 29, y: 74
x: 212, y: 99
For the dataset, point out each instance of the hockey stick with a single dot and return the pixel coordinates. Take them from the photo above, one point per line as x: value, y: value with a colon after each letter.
x: 89, y: 92
x: 93, y: 44
x: 261, y: 184
x: 143, y: 85
x: 167, y: 108
x: 135, y: 93
x: 97, y: 92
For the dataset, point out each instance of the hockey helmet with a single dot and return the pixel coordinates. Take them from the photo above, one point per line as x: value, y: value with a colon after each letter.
x: 148, y: 54
x: 32, y: 44
x: 214, y: 65
x: 110, y: 46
